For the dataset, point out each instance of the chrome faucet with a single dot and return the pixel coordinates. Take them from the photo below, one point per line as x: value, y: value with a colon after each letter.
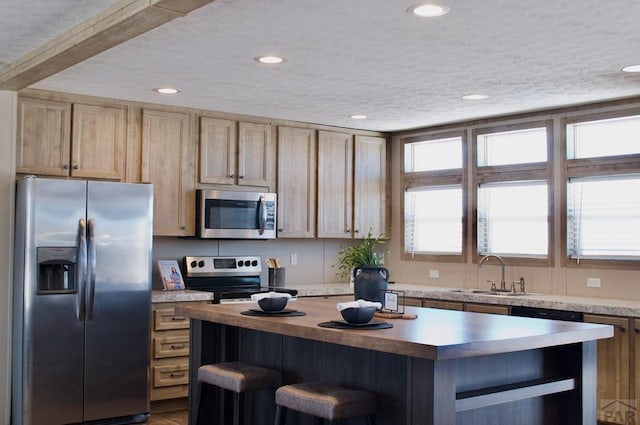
x: 503, y: 285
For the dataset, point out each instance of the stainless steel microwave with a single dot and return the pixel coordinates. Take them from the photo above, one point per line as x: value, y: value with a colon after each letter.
x: 235, y: 215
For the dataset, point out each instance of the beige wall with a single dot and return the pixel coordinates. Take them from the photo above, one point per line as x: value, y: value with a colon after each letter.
x: 7, y: 179
x: 623, y: 284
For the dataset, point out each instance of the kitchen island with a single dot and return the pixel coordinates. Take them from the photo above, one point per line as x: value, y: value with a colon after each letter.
x: 445, y: 367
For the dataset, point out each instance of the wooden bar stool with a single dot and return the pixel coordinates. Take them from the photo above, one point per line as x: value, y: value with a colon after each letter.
x: 324, y: 401
x: 239, y: 378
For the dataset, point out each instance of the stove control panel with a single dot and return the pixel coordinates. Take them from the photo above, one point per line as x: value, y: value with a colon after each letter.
x: 222, y: 266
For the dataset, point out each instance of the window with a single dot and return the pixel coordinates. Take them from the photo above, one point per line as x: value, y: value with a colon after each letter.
x: 433, y: 220
x: 434, y: 197
x: 603, y: 217
x: 512, y: 147
x: 608, y: 137
x: 433, y: 155
x: 513, y: 218
x: 512, y: 177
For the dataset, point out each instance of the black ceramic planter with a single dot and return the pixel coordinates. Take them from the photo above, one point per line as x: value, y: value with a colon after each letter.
x: 369, y: 282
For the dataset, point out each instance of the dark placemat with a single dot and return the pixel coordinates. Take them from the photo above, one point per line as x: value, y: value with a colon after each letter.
x: 283, y: 313
x: 341, y: 324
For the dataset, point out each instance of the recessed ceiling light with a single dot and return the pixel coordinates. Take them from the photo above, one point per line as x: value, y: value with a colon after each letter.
x: 166, y: 90
x: 270, y: 60
x: 475, y: 97
x: 429, y: 10
x: 631, y: 68
x: 358, y: 117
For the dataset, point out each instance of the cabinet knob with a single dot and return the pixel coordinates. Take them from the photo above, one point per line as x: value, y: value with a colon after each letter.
x: 636, y: 330
x: 280, y: 230
x: 232, y: 176
x: 240, y: 177
x: 348, y: 231
x: 357, y: 231
x: 75, y: 167
x: 623, y: 329
x: 65, y: 166
x: 183, y: 227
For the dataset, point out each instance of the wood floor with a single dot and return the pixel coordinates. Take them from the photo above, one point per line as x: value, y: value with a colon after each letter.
x: 168, y: 418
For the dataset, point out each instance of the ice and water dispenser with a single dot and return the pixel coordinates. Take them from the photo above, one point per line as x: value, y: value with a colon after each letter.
x: 56, y: 269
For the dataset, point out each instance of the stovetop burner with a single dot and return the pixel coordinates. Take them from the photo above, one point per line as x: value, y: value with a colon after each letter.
x: 231, y: 278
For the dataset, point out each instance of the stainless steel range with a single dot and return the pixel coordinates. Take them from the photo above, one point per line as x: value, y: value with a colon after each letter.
x: 232, y: 279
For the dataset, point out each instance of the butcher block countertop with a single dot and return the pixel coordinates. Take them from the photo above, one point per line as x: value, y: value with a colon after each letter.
x: 436, y: 334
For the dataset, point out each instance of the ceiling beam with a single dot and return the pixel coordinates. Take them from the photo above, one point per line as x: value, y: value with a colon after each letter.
x: 115, y: 25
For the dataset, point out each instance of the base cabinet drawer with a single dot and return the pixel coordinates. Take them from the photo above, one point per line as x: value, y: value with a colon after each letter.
x: 177, y: 374
x: 170, y: 346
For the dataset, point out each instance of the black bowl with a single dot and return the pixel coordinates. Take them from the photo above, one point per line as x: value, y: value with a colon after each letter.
x: 358, y: 315
x: 273, y: 304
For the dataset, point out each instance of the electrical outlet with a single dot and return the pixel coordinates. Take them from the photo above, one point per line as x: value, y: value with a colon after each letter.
x: 434, y: 273
x: 593, y: 282
x: 294, y: 258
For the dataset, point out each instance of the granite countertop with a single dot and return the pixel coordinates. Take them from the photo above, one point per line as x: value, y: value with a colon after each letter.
x: 606, y: 306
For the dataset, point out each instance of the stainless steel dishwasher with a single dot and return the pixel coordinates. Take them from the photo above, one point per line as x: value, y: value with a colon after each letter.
x: 546, y: 313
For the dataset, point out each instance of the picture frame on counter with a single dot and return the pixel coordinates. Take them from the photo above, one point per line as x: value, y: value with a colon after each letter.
x: 392, y: 301
x: 171, y: 276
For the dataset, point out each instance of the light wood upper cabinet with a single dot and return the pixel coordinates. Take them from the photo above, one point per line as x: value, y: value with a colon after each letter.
x: 94, y: 149
x: 371, y: 207
x: 256, y: 155
x: 335, y: 184
x: 99, y: 142
x: 43, y: 137
x: 245, y: 157
x: 615, y: 369
x: 218, y: 151
x: 168, y: 161
x: 296, y: 182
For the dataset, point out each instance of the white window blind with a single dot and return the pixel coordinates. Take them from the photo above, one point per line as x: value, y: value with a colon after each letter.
x: 603, y: 217
x: 513, y: 218
x: 433, y: 220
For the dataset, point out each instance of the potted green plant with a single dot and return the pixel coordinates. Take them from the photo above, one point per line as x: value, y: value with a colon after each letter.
x: 363, y: 261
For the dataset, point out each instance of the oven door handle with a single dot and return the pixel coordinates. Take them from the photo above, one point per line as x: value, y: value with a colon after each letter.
x: 262, y: 215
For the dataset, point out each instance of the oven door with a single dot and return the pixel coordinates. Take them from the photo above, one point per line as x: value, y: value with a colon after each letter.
x: 236, y: 215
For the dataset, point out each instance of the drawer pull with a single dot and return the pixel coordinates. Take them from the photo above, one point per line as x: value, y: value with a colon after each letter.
x: 177, y: 375
x: 178, y: 318
x: 177, y: 346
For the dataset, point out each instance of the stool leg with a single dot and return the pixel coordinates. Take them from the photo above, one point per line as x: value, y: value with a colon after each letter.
x: 281, y: 415
x: 238, y: 404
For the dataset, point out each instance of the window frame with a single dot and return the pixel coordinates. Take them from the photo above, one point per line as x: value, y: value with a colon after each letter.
x: 446, y: 177
x: 592, y: 167
x: 514, y: 172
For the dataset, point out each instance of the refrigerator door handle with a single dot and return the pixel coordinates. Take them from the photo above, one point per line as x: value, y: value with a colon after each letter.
x: 91, y: 269
x: 81, y: 275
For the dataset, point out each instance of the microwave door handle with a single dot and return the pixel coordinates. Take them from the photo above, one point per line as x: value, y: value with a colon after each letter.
x: 262, y: 215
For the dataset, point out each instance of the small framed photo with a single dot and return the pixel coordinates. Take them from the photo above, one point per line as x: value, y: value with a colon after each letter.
x: 393, y: 301
x: 170, y: 275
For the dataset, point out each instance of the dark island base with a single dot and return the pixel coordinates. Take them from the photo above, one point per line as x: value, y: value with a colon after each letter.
x: 533, y: 387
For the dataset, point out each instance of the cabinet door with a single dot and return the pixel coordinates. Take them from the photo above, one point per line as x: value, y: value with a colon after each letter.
x: 256, y: 155
x: 614, y: 369
x: 43, y: 137
x: 98, y: 143
x: 217, y: 151
x: 636, y: 364
x: 335, y: 183
x: 370, y: 186
x: 168, y: 162
x: 296, y: 182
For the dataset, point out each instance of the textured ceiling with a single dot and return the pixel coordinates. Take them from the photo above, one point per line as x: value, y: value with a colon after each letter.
x: 353, y: 56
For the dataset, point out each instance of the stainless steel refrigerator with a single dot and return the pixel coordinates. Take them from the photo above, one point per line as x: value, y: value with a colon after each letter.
x: 82, y: 300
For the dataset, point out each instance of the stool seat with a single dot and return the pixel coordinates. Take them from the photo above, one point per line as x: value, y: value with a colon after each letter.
x: 239, y: 377
x: 325, y: 401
